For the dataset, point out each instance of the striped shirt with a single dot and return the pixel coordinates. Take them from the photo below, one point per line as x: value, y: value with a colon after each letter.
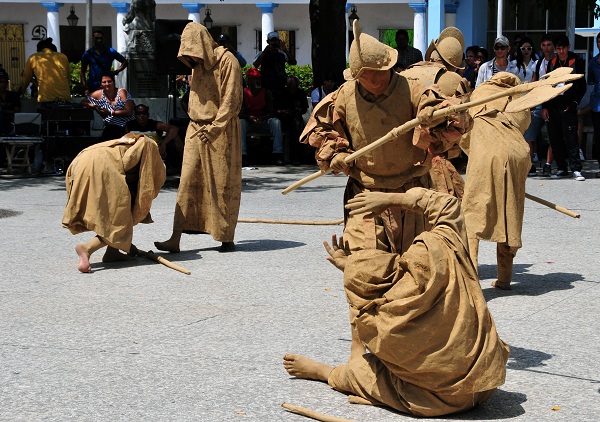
x: 119, y: 105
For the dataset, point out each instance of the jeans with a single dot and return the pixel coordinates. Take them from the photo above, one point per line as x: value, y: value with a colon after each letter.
x: 272, y: 126
x: 562, y: 131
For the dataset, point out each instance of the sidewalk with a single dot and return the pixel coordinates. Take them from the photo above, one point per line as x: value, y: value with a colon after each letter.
x: 140, y: 342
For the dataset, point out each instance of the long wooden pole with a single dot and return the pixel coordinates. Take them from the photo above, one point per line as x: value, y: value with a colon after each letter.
x: 157, y: 258
x: 312, y: 414
x: 552, y: 205
x: 299, y: 222
x: 411, y: 124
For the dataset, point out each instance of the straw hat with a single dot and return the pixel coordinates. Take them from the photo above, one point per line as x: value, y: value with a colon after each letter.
x: 367, y: 53
x: 450, y: 46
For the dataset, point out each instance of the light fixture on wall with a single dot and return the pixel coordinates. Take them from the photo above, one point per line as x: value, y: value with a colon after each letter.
x: 353, y: 16
x: 208, y: 22
x: 72, y: 18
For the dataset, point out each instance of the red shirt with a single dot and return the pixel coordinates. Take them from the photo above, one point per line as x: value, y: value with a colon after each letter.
x: 255, y: 105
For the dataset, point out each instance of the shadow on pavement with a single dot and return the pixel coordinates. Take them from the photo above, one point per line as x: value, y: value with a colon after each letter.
x: 502, y: 405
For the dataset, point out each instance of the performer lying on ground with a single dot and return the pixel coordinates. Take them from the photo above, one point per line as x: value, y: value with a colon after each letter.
x: 110, y: 188
x: 432, y: 344
x: 499, y: 160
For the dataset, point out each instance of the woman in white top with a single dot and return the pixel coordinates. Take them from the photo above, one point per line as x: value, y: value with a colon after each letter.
x: 524, y: 62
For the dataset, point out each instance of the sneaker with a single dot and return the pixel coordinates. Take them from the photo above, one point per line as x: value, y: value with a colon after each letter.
x: 581, y: 156
x: 547, y: 170
x: 577, y: 175
x: 561, y: 174
x: 532, y: 171
x: 535, y: 157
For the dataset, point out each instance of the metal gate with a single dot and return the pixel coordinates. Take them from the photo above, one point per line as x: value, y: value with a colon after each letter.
x: 12, y: 51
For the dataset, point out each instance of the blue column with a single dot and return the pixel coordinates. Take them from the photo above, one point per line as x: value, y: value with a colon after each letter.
x: 193, y: 10
x: 472, y: 21
x: 435, y: 18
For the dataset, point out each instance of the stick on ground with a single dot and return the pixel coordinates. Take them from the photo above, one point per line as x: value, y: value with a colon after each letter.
x: 312, y: 414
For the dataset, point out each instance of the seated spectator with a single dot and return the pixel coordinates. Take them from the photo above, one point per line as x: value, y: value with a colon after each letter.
x: 320, y: 92
x: 10, y: 103
x: 170, y: 146
x: 258, y: 115
x: 290, y: 109
x: 114, y: 105
x: 482, y: 57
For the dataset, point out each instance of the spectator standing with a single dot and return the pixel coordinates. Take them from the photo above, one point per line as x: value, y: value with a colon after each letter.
x: 10, y: 103
x: 225, y: 41
x: 114, y: 105
x: 561, y: 112
x: 210, y: 187
x: 525, y: 72
x: 594, y: 79
x: 470, y: 70
x: 290, y: 109
x: 407, y: 54
x: 52, y: 72
x: 170, y: 146
x: 537, y: 121
x: 99, y: 59
x: 258, y: 114
x: 271, y: 62
x: 499, y: 63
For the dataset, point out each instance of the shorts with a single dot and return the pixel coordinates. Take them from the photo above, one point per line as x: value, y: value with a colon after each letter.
x: 534, y: 128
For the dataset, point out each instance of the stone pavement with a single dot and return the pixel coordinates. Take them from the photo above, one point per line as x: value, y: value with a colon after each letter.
x: 140, y: 342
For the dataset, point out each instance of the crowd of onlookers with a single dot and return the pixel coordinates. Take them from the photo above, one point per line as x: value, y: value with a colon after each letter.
x: 275, y: 105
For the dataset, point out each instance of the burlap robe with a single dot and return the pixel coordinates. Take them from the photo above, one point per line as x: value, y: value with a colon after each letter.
x: 499, y: 160
x: 208, y: 199
x: 433, y: 343
x: 98, y: 198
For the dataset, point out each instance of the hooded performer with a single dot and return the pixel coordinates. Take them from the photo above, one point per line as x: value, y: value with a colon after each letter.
x: 110, y: 188
x: 432, y: 344
x: 499, y: 160
x: 210, y: 188
x: 373, y: 100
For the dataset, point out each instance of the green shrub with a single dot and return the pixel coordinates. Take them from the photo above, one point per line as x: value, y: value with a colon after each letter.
x: 77, y: 89
x: 303, y: 73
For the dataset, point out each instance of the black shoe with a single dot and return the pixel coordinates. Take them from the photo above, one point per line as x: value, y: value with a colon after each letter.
x: 532, y: 171
x: 278, y: 159
x: 547, y: 170
x: 245, y: 162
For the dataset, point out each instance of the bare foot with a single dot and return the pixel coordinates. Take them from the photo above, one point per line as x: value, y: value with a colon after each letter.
x: 113, y: 255
x: 168, y: 246
x: 503, y: 286
x: 84, y: 259
x: 302, y: 367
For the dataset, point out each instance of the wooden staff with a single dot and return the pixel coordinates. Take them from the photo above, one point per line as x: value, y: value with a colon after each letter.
x: 411, y: 124
x: 552, y: 205
x: 312, y: 414
x: 299, y: 222
x: 157, y: 258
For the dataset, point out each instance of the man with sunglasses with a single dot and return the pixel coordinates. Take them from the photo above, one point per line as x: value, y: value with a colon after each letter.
x: 499, y: 63
x: 99, y: 59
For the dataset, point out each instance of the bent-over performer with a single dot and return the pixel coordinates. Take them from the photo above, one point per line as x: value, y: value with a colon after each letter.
x: 110, y: 188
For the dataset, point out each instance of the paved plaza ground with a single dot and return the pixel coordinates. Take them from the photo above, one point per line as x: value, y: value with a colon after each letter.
x: 140, y: 342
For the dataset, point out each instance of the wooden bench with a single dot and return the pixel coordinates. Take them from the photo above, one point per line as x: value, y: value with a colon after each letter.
x: 11, y: 143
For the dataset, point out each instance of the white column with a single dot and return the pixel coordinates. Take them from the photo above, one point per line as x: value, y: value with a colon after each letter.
x: 193, y: 11
x: 419, y: 27
x: 267, y: 21
x: 450, y: 17
x: 435, y: 18
x: 53, y: 24
x: 499, y: 19
x: 121, y: 11
x: 348, y: 29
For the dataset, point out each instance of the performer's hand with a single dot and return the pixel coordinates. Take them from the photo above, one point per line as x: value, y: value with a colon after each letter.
x: 202, y: 136
x: 337, y: 162
x: 338, y: 252
x: 375, y: 202
x: 426, y: 118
